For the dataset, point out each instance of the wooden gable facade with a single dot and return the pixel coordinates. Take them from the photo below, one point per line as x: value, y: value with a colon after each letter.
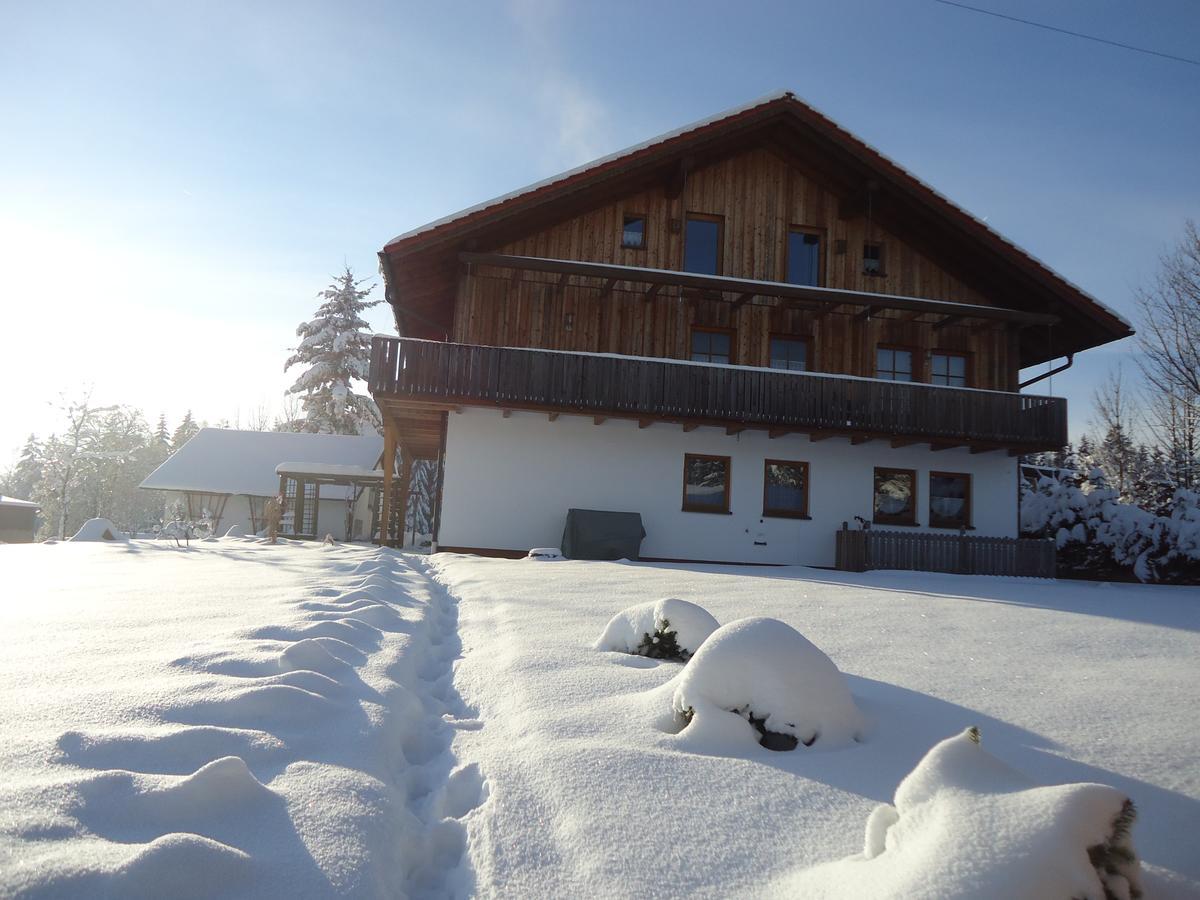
x: 759, y: 196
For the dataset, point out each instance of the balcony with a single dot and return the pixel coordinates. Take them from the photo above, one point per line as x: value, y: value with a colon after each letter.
x: 409, y: 378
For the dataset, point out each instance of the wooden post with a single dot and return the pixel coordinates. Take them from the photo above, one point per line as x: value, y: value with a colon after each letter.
x: 406, y: 465
x: 389, y: 468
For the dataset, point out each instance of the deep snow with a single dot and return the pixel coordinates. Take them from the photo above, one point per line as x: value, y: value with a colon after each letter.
x: 243, y: 719
x: 230, y: 719
x: 593, y: 795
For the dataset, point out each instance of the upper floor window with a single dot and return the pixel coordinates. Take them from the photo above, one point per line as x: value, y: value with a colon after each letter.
x: 872, y: 258
x: 712, y: 344
x: 949, y: 500
x: 894, y: 364
x: 804, y: 257
x: 702, y: 240
x: 633, y: 232
x: 789, y: 353
x: 948, y: 368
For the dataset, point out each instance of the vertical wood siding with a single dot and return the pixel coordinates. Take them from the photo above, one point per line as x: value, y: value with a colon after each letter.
x: 760, y: 196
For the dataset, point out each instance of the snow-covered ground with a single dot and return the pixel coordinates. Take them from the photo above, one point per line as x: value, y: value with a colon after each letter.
x: 588, y: 796
x: 232, y: 719
x: 237, y: 719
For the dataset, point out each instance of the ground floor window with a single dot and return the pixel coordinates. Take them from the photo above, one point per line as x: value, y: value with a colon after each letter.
x: 895, y: 497
x: 785, y: 489
x: 705, y: 483
x: 949, y: 500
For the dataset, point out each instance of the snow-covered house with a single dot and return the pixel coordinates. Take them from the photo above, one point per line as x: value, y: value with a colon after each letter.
x: 748, y: 331
x: 329, y: 481
x: 18, y: 520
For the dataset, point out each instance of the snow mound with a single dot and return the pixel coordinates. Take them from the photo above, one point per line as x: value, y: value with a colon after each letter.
x: 235, y: 531
x: 98, y: 530
x: 641, y: 629
x: 545, y: 554
x: 182, y: 866
x: 964, y: 824
x: 759, y: 680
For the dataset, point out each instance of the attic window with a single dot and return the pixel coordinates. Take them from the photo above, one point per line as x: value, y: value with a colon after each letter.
x: 872, y: 258
x: 633, y: 233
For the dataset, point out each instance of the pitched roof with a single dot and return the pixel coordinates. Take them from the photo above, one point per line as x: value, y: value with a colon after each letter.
x: 13, y: 501
x: 226, y: 461
x: 1104, y: 323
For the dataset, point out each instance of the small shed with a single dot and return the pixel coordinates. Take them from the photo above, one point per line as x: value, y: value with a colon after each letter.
x: 18, y: 520
x: 227, y: 476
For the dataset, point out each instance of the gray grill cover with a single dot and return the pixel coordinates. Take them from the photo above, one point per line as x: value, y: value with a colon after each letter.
x: 600, y: 534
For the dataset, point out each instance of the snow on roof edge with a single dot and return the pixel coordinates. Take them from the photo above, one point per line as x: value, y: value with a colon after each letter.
x: 728, y: 113
x: 5, y: 500
x: 591, y: 164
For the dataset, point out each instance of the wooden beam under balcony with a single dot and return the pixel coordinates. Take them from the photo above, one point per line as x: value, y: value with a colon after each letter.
x: 724, y: 285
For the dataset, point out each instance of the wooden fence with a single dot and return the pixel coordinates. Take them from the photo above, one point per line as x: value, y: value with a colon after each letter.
x: 860, y: 550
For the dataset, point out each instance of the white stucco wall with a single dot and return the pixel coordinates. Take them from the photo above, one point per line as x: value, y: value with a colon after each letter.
x: 509, y: 482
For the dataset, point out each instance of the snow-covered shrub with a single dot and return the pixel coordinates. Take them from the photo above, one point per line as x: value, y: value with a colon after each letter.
x: 1100, y: 536
x: 661, y: 629
x: 98, y: 530
x: 964, y: 824
x: 545, y: 554
x: 760, y: 680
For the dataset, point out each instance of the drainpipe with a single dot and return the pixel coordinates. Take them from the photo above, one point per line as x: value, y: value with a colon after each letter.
x: 1070, y: 361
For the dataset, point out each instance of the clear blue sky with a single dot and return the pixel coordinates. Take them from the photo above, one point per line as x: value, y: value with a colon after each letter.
x: 178, y: 180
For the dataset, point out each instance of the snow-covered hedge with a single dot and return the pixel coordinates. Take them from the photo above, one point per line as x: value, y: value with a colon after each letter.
x: 964, y: 824
x: 760, y: 680
x: 1098, y: 534
x: 661, y: 629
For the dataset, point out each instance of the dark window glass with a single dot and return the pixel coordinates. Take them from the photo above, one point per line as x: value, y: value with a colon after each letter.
x: 785, y: 489
x: 895, y: 497
x: 705, y: 483
x: 712, y: 346
x: 949, y: 500
x: 789, y: 353
x: 633, y: 232
x: 948, y: 368
x: 803, y: 258
x: 702, y: 246
x: 894, y: 365
x: 872, y: 259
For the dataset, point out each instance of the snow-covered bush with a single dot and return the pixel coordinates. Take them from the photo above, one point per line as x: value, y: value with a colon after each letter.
x: 1099, y: 535
x: 98, y: 530
x: 545, y: 554
x: 964, y: 824
x: 760, y: 680
x: 661, y: 629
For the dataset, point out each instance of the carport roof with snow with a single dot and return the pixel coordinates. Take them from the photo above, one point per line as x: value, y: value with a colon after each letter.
x: 225, y: 461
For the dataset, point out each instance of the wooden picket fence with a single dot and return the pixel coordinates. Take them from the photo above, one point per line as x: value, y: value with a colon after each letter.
x: 860, y: 550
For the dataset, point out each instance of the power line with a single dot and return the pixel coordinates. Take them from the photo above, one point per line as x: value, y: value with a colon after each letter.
x: 1086, y: 37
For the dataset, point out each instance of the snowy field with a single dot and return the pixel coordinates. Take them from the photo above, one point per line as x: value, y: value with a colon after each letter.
x: 233, y: 719
x: 237, y: 719
x: 1068, y: 682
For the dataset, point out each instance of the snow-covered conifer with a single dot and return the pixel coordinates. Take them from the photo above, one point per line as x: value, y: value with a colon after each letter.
x: 335, y: 349
x: 185, y: 432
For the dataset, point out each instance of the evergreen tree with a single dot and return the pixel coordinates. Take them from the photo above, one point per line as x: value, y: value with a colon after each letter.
x: 185, y: 432
x: 162, y: 434
x: 335, y: 349
x: 22, y: 479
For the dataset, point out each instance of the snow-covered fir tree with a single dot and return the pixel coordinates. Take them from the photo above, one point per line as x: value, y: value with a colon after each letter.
x: 162, y: 434
x: 335, y: 350
x: 186, y: 430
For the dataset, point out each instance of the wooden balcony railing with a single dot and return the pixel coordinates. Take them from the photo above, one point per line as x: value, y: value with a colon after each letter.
x: 432, y: 372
